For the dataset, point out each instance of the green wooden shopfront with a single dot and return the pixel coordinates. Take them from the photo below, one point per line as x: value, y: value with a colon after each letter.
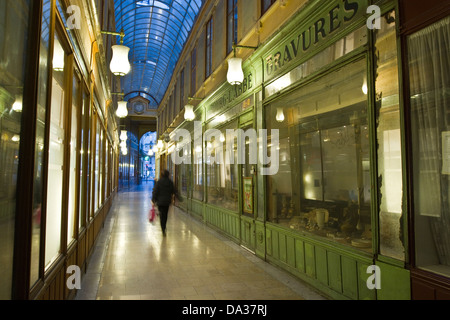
x: 329, y: 89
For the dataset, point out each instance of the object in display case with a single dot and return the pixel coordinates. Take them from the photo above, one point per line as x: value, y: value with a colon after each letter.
x: 316, y: 219
x: 284, y: 208
x: 291, y: 208
x: 296, y: 223
x: 350, y: 220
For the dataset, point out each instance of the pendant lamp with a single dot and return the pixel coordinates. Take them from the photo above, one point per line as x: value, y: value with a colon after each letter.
x: 123, y: 135
x: 189, y: 114
x: 122, y: 110
x: 235, y: 75
x: 120, y: 65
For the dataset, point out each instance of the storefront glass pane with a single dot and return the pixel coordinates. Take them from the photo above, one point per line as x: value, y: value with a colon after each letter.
x: 323, y: 184
x: 96, y: 164
x: 83, y: 159
x: 389, y: 140
x: 429, y: 62
x: 14, y: 17
x: 56, y: 155
x: 197, y: 193
x: 76, y: 101
x: 40, y: 138
x: 221, y: 168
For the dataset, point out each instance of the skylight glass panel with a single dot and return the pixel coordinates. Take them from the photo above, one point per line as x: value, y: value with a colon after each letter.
x: 155, y: 31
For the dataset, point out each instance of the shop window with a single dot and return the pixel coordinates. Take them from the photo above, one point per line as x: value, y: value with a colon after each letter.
x: 389, y: 163
x: 222, y: 169
x: 72, y: 208
x: 197, y: 193
x: 13, y: 48
x: 232, y: 24
x: 323, y: 184
x: 84, y: 164
x: 40, y: 138
x: 429, y: 63
x: 56, y: 154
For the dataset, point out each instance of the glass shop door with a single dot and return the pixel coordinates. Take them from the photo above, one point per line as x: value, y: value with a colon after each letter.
x: 248, y: 180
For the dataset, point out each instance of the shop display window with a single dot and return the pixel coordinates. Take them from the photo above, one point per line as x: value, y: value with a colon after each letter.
x: 76, y: 106
x: 323, y: 184
x: 40, y: 138
x: 14, y: 27
x: 429, y: 63
x: 56, y: 154
x: 221, y: 172
x: 197, y: 192
x: 389, y: 151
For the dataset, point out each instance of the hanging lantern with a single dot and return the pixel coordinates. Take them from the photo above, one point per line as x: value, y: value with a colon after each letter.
x: 120, y: 65
x: 123, y: 144
x: 280, y: 115
x: 235, y: 75
x: 122, y: 110
x: 189, y: 114
x: 123, y: 135
x: 160, y: 144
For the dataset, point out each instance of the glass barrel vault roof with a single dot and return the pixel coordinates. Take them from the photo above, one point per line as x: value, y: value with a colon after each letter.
x: 156, y: 32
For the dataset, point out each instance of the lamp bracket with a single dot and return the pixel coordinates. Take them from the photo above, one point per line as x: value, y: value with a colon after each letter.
x: 235, y: 46
x: 194, y: 98
x: 121, y: 34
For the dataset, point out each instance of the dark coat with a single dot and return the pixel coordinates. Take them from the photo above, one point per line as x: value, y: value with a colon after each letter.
x: 163, y: 192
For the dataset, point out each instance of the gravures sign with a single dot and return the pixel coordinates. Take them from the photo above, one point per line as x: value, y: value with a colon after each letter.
x: 310, y: 36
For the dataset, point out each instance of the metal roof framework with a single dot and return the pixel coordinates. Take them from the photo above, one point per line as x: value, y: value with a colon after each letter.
x: 155, y: 32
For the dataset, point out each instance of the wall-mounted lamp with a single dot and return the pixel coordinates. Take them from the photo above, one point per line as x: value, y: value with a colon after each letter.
x: 280, y: 115
x: 122, y: 110
x: 235, y: 75
x: 123, y: 135
x: 189, y: 114
x: 119, y: 65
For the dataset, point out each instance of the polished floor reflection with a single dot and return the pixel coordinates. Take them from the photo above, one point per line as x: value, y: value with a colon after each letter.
x: 133, y: 261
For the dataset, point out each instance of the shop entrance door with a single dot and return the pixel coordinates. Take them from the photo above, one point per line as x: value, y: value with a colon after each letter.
x: 247, y: 207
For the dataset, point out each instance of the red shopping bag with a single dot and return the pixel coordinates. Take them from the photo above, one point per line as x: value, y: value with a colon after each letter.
x: 151, y: 214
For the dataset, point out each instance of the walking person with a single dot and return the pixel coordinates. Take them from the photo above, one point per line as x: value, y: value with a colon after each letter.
x: 162, y: 196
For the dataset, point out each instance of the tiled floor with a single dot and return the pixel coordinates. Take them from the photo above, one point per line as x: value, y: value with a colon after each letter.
x: 133, y: 261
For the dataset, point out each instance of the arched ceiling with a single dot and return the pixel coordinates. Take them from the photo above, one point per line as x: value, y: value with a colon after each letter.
x: 155, y: 32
